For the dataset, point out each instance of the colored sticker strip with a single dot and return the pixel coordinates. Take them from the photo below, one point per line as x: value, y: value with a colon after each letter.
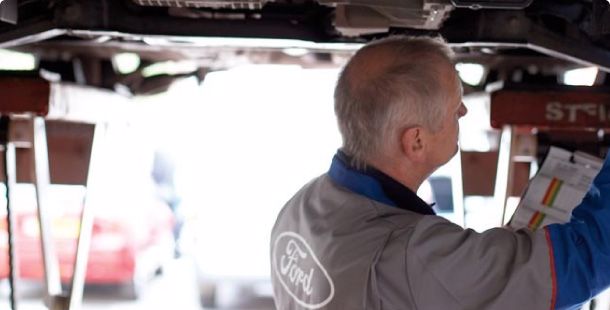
x: 536, y: 220
x: 548, y: 200
x: 551, y: 192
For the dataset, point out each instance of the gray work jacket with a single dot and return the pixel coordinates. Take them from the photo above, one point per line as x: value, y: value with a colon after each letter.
x: 332, y: 248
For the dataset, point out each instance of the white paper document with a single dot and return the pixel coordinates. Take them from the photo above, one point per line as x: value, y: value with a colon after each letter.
x: 558, y: 187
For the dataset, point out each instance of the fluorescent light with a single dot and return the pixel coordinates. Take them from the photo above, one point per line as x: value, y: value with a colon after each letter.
x: 10, y: 60
x: 169, y: 68
x: 581, y: 76
x: 295, y: 51
x: 470, y: 73
x: 126, y: 63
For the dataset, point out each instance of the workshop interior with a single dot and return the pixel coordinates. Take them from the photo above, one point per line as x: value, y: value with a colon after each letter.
x: 118, y: 120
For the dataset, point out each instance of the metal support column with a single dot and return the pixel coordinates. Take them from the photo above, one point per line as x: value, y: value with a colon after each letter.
x: 504, y: 174
x: 53, y: 289
x: 87, y: 217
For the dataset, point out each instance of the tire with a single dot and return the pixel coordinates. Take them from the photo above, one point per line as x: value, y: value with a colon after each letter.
x: 207, y: 296
x: 133, y: 289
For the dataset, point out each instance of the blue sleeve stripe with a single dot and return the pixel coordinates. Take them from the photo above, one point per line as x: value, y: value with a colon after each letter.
x: 581, y: 250
x: 552, y: 267
x: 572, y: 273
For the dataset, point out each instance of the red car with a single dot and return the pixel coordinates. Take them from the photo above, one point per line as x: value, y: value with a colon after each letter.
x: 132, y: 235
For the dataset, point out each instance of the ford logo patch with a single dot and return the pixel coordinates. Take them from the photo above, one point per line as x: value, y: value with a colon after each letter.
x: 300, y: 271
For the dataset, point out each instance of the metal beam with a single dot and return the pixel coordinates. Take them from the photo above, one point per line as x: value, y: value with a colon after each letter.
x: 87, y: 217
x: 23, y: 95
x: 568, y: 107
x: 504, y: 174
x: 53, y: 289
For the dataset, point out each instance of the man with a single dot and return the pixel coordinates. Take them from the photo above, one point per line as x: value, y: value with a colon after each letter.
x: 358, y: 237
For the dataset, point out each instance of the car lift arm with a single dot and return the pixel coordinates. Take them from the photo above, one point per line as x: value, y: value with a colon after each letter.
x: 26, y: 103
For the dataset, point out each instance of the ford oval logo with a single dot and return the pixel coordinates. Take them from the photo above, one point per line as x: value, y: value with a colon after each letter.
x: 300, y: 272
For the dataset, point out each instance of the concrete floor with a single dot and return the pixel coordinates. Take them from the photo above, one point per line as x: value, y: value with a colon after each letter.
x: 176, y: 288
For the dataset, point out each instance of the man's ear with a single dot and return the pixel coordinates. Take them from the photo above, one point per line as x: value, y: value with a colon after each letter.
x: 413, y: 144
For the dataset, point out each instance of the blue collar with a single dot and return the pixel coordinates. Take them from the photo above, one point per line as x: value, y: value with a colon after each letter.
x: 375, y: 185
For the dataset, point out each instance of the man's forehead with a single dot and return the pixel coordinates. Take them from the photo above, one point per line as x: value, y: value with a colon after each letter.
x: 454, y: 86
x: 458, y: 81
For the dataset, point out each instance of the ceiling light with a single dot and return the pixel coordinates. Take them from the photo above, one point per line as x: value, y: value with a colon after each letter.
x: 470, y: 73
x: 10, y: 60
x: 295, y: 51
x: 126, y: 63
x: 170, y: 68
x: 581, y: 76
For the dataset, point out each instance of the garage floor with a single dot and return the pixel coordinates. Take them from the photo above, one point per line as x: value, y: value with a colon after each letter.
x: 174, y: 289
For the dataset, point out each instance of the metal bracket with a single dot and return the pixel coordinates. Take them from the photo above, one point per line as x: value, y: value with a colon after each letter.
x: 492, y: 4
x: 8, y: 11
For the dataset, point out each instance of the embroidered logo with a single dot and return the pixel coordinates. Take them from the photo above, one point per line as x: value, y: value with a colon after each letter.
x: 300, y: 272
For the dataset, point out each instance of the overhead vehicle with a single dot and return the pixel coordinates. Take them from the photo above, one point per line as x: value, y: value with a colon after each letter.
x: 77, y: 39
x: 521, y: 42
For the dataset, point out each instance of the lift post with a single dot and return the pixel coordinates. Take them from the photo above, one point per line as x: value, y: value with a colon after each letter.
x: 27, y: 100
x: 27, y: 104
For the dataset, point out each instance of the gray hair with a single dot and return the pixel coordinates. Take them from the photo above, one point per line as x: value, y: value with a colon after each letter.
x: 376, y: 97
